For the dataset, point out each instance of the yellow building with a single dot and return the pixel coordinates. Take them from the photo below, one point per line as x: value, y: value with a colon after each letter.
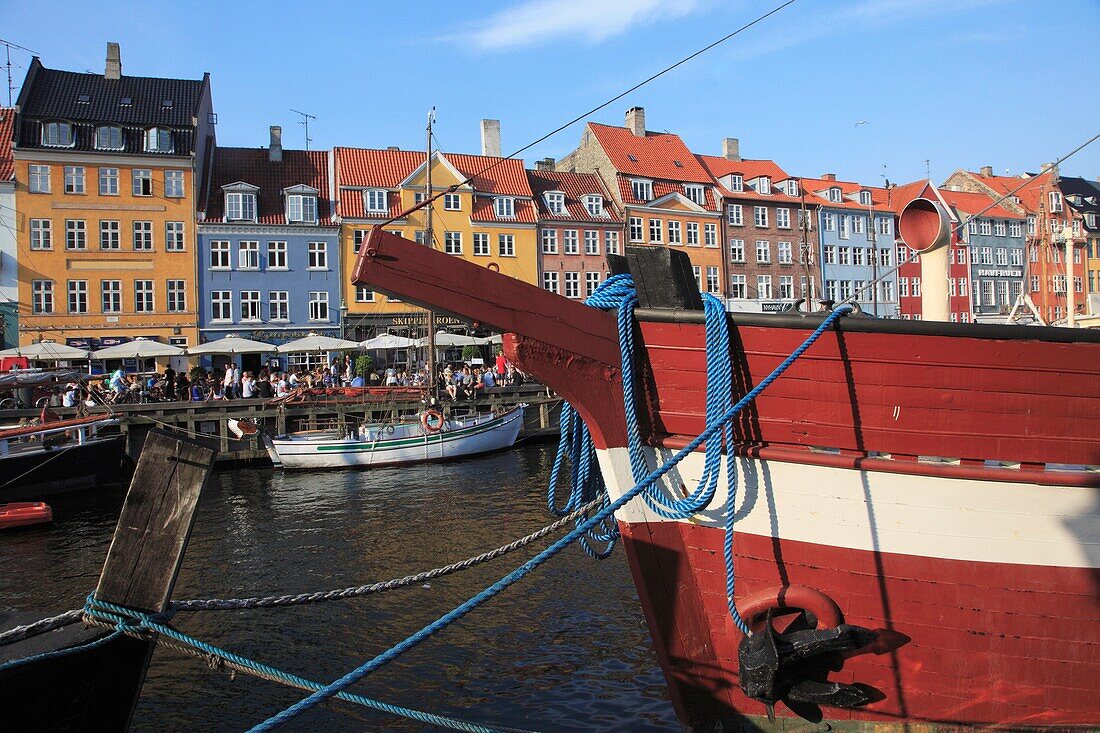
x: 490, y: 219
x: 107, y: 171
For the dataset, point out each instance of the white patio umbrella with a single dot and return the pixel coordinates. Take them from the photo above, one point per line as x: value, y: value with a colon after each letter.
x: 231, y: 344
x: 46, y: 351
x: 444, y: 340
x: 387, y: 341
x: 316, y: 342
x: 139, y: 348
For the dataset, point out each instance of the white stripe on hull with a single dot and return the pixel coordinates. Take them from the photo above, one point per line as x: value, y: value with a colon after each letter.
x: 951, y: 518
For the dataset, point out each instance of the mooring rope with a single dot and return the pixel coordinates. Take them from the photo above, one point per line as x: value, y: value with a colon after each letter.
x: 18, y: 633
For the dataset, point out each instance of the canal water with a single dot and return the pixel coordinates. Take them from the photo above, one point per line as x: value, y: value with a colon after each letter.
x: 565, y: 649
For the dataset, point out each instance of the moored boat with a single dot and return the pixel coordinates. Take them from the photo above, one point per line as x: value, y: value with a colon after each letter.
x: 431, y: 437
x: 935, y: 486
x: 24, y: 514
x: 59, y: 456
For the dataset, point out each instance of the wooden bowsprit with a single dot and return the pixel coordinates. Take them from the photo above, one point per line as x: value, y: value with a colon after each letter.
x: 97, y: 688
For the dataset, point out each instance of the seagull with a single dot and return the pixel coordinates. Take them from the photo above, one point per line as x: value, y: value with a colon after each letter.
x: 861, y: 122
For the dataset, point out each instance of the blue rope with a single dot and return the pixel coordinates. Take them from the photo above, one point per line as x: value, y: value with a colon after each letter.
x: 603, y: 514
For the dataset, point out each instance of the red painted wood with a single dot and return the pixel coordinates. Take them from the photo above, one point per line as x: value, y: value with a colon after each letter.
x: 75, y: 422
x: 1028, y: 656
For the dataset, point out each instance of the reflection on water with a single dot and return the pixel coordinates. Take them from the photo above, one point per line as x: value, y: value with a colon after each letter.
x: 564, y: 649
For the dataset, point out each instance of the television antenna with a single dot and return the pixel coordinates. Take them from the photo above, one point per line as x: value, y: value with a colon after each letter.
x: 8, y: 46
x: 306, y: 117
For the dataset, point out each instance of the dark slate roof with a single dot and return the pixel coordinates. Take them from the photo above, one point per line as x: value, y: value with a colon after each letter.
x: 1084, y: 188
x: 252, y: 165
x: 88, y: 100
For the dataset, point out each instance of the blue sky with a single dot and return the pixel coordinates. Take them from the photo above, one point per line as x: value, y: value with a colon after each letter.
x: 958, y: 83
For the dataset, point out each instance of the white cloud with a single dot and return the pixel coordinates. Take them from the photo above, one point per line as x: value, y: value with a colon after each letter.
x: 536, y: 22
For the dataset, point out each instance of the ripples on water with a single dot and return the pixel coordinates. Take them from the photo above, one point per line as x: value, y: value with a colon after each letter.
x: 564, y: 649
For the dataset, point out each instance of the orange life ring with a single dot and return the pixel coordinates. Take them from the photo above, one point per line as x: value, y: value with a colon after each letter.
x: 788, y: 599
x: 431, y: 421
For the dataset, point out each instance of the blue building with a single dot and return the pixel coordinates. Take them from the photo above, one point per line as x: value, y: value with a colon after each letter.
x: 269, y: 259
x: 856, y: 235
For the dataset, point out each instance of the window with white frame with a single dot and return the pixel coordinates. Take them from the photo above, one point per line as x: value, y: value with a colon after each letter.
x: 642, y: 190
x: 656, y: 230
x: 763, y: 286
x: 141, y: 180
x: 786, y: 287
x: 692, y: 234
x: 828, y: 220
x: 845, y: 222
x: 301, y: 208
x: 143, y: 296
x: 317, y: 255
x: 504, y: 207
x: 857, y: 256
x: 177, y: 296
x: 363, y: 295
x: 221, y: 305
x: 593, y: 203
x: 42, y: 296
x: 570, y: 242
x: 452, y: 202
x: 1016, y: 255
x: 738, y: 287
x: 74, y: 179
x: 572, y: 284
x: 760, y: 216
x: 375, y: 200
x: 481, y: 244
x: 591, y: 283
x: 783, y: 218
x: 887, y: 291
x: 834, y: 194
x: 737, y: 250
x: 847, y: 287
x: 1000, y: 228
x: 710, y: 235
x: 903, y: 287
x: 173, y: 236
x: 76, y: 234
x: 591, y: 241
x: 611, y: 242
x: 737, y: 182
x: 219, y: 255
x: 735, y: 215
x: 110, y: 292
x: 1031, y: 225
x: 1000, y: 256
x: 675, y: 232
x: 830, y: 254
x: 108, y: 137
x: 506, y: 245
x: 78, y: 296
x: 240, y: 206
x: 158, y: 140
x: 886, y: 257
x: 110, y: 235
x: 108, y: 181
x: 248, y: 256
x: 858, y: 223
x: 41, y: 234
x: 173, y: 183
x: 276, y: 256
x: 697, y: 271
x: 885, y: 225
x: 452, y: 243
x: 143, y: 236
x: 549, y: 241
x: 250, y: 305
x: 1017, y: 290
x: 792, y: 188
x: 986, y: 256
x: 555, y: 202
x: 962, y: 285
x: 358, y: 236
x: 985, y: 226
x: 785, y: 253
x: 57, y: 134
x: 695, y: 193
x: 865, y: 198
x: 713, y: 280
x: 763, y: 251
x: 550, y: 281
x: 1055, y: 201
x: 915, y: 282
x: 635, y: 232
x: 843, y: 255
x: 38, y: 178
x: 278, y: 305
x: 1002, y: 292
x: 318, y: 305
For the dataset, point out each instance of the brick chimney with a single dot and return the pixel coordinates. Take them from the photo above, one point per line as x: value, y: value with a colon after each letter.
x: 987, y: 170
x: 546, y: 164
x: 635, y: 121
x: 1046, y: 167
x: 731, y: 149
x: 490, y: 137
x: 275, y: 151
x: 829, y: 176
x: 114, y: 62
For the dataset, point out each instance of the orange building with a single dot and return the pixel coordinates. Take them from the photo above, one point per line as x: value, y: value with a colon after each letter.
x: 107, y: 170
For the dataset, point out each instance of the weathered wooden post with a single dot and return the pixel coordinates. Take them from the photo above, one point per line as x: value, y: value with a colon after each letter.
x: 97, y: 688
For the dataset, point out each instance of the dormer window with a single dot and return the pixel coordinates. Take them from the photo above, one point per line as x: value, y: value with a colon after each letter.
x: 792, y: 188
x: 158, y: 140
x: 240, y: 202
x: 642, y: 190
x: 504, y: 206
x: 301, y: 208
x: 594, y: 204
x: 57, y: 134
x: 737, y: 183
x: 865, y: 198
x: 108, y: 137
x: 764, y: 185
x: 694, y: 192
x: 555, y: 202
x: 376, y: 200
x: 1055, y: 201
x: 834, y: 194
x: 1090, y: 221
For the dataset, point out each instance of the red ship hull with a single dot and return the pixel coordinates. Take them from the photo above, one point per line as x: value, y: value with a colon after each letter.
x: 936, y: 482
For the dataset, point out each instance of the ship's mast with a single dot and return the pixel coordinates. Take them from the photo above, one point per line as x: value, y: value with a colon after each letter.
x: 429, y: 241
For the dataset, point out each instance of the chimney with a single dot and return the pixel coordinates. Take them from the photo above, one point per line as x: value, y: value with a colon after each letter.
x: 490, y: 137
x: 987, y: 170
x: 393, y: 147
x: 275, y: 151
x: 546, y: 164
x: 1046, y: 167
x: 829, y: 176
x: 114, y: 62
x: 731, y: 149
x: 635, y: 121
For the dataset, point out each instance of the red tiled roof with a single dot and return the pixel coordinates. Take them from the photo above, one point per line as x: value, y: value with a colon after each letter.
x: 507, y: 176
x: 7, y: 127
x: 901, y: 195
x: 748, y: 170
x: 655, y: 156
x: 252, y: 165
x: 374, y: 168
x: 1028, y: 195
x: 664, y: 188
x: 483, y: 211
x: 574, y: 186
x: 816, y: 192
x: 972, y: 203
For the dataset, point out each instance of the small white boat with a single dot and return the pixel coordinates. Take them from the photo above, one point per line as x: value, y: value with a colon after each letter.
x: 430, y: 438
